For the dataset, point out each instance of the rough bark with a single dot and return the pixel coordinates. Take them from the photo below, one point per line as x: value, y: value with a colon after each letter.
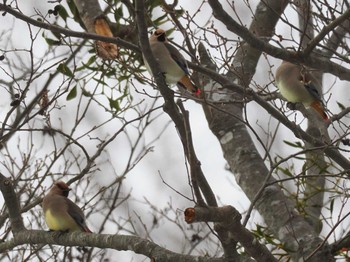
x: 239, y: 150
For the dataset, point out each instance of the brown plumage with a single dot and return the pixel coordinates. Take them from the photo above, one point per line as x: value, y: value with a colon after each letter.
x: 171, y: 62
x: 61, y: 214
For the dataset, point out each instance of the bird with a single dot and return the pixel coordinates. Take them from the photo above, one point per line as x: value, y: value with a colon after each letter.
x: 297, y: 84
x: 172, y: 64
x: 61, y: 214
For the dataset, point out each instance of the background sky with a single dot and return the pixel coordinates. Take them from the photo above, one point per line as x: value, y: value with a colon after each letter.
x: 166, y: 160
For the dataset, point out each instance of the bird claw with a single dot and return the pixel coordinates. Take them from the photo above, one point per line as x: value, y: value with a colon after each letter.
x: 292, y: 106
x: 163, y: 74
x: 82, y: 249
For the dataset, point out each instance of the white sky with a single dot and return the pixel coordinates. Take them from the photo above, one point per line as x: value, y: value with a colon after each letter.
x: 167, y: 157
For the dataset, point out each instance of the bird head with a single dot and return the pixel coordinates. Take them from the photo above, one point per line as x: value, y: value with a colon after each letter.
x: 159, y: 35
x: 61, y: 188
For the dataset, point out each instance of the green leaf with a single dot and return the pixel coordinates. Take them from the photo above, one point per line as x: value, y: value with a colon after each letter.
x: 86, y: 93
x: 296, y: 144
x: 332, y: 206
x: 49, y: 41
x: 160, y: 20
x: 341, y: 106
x: 179, y: 12
x: 62, y: 12
x: 91, y: 60
x: 86, y: 65
x: 52, y: 42
x: 100, y: 81
x: 73, y: 8
x: 110, y: 72
x: 63, y: 68
x: 72, y: 94
x: 123, y: 77
x: 170, y: 31
x: 118, y: 14
x: 57, y: 35
x: 114, y: 104
x: 286, y: 172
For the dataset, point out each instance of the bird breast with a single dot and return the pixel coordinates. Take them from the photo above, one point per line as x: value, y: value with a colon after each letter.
x: 171, y: 70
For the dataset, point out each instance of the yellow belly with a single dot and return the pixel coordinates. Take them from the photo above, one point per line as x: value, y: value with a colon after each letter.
x: 58, y: 223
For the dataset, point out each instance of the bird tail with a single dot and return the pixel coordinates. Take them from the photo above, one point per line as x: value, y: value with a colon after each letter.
x: 86, y: 229
x: 186, y: 83
x: 317, y: 105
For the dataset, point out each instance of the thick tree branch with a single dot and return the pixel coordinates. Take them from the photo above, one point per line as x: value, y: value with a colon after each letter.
x: 240, y: 151
x: 195, y: 165
x: 170, y: 106
x: 330, y: 150
x: 117, y: 242
x: 89, y: 11
x: 230, y: 219
x: 315, y: 161
x: 96, y: 22
x: 12, y: 204
x: 313, y: 61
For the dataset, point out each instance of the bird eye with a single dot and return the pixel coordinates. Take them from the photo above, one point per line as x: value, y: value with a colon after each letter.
x: 159, y: 32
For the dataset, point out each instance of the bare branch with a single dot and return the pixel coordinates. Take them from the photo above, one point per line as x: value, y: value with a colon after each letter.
x: 313, y: 61
x: 12, y: 205
x: 325, y: 30
x: 118, y: 242
x: 67, y: 32
x: 229, y: 218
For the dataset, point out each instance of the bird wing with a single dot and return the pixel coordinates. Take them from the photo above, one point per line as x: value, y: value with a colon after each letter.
x: 311, y: 83
x: 311, y: 88
x: 77, y: 214
x: 178, y: 58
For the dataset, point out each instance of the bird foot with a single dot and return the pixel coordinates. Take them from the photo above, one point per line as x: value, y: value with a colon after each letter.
x: 292, y: 106
x: 82, y: 249
x: 163, y: 74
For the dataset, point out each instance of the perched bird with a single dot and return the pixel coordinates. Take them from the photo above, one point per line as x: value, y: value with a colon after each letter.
x: 297, y: 84
x: 171, y: 62
x: 61, y: 214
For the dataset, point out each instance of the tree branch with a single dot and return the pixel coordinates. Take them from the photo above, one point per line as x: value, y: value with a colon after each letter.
x: 67, y: 32
x: 239, y: 149
x: 170, y: 106
x: 315, y: 162
x: 325, y: 30
x: 330, y: 150
x: 229, y: 218
x: 313, y: 60
x: 117, y: 242
x: 195, y: 165
x: 12, y: 204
